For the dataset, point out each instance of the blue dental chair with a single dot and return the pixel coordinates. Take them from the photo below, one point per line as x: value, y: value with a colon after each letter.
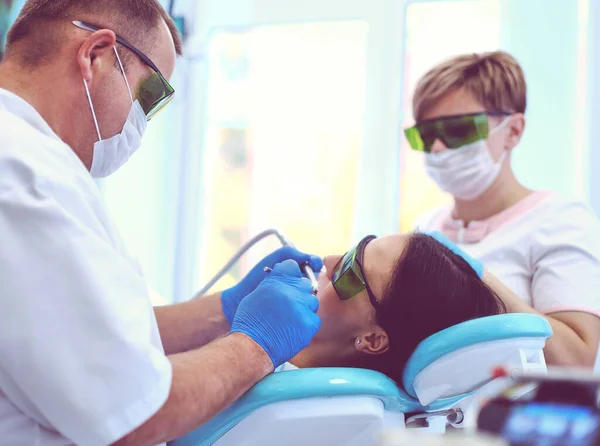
x: 344, y: 406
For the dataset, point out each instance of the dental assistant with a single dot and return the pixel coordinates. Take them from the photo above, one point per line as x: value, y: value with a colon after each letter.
x: 84, y: 358
x: 541, y: 251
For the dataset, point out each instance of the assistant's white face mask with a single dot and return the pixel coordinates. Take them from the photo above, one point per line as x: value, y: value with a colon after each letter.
x: 110, y: 154
x: 468, y: 171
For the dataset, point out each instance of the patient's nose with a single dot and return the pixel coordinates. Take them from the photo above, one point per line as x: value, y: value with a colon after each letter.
x: 330, y: 263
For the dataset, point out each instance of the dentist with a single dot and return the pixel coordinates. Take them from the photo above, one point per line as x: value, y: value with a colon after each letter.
x: 84, y: 358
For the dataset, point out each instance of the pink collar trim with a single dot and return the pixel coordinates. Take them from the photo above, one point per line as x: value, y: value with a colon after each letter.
x: 478, y: 230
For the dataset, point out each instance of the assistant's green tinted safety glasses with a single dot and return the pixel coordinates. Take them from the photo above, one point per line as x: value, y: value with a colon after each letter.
x: 155, y: 92
x: 454, y: 131
x: 348, y: 278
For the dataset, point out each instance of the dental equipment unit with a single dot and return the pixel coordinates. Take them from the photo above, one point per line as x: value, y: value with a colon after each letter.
x: 559, y: 407
x: 445, y: 377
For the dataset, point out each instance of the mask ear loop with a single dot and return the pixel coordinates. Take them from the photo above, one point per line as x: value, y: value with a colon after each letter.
x: 499, y: 126
x: 123, y: 71
x: 87, y: 90
x: 496, y: 130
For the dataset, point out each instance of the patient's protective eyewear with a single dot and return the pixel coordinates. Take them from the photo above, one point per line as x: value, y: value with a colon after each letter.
x: 454, y: 131
x: 155, y: 92
x: 348, y: 277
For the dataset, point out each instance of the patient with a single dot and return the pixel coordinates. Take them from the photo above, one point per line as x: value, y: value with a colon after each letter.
x: 414, y: 287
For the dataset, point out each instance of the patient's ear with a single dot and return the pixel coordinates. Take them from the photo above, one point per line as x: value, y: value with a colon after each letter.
x: 374, y: 342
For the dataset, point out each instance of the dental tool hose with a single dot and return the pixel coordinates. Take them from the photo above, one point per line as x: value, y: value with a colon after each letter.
x: 305, y: 268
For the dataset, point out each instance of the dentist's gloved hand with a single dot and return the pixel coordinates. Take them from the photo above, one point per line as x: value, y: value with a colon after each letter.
x: 472, y: 261
x: 231, y: 298
x: 280, y: 315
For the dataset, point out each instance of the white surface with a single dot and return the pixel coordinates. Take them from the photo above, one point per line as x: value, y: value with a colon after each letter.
x: 549, y: 257
x: 468, y: 368
x: 344, y: 421
x: 82, y: 361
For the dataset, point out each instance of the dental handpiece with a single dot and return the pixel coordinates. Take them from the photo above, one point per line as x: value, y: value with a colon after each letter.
x: 305, y: 268
x: 309, y: 273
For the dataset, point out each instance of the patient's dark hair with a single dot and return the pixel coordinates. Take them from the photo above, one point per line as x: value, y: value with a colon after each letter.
x: 431, y: 289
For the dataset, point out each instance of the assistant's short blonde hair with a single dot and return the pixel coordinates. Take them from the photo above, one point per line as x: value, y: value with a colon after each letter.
x: 495, y: 79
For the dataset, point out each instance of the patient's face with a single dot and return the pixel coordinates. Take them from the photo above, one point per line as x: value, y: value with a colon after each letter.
x: 343, y: 322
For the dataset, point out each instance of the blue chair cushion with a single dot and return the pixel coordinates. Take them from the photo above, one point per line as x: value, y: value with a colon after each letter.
x: 336, y: 382
x: 309, y: 383
x: 492, y: 328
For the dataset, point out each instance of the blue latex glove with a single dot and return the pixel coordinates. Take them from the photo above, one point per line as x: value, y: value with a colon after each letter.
x: 280, y: 315
x: 472, y: 261
x: 231, y: 298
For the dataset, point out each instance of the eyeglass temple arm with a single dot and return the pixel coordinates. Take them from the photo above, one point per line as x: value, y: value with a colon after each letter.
x: 123, y: 42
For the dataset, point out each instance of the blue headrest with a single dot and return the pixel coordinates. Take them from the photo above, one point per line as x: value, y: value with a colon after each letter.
x: 492, y: 328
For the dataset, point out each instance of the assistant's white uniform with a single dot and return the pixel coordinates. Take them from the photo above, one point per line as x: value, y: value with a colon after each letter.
x: 81, y: 360
x: 546, y: 249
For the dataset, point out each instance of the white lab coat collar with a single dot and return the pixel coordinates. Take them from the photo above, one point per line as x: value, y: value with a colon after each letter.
x: 20, y: 107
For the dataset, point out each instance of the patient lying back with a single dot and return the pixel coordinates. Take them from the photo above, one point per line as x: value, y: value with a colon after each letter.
x: 414, y: 288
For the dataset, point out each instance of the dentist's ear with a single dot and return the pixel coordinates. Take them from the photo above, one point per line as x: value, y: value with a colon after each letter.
x: 96, y: 53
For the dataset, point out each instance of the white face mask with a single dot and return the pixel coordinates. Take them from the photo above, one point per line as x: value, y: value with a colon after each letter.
x: 465, y: 172
x: 110, y: 154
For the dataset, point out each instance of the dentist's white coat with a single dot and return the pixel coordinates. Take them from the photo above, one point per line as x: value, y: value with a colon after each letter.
x: 81, y: 361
